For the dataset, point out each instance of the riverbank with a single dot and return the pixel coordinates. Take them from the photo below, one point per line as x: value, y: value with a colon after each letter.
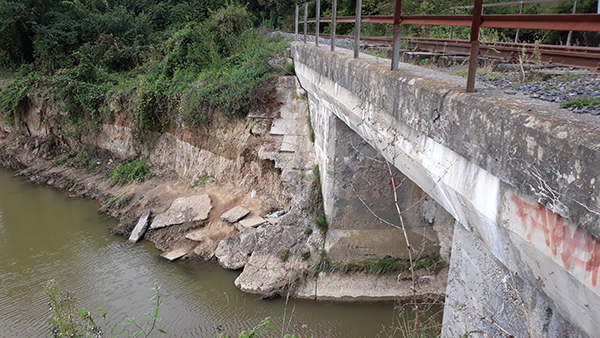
x: 257, y: 163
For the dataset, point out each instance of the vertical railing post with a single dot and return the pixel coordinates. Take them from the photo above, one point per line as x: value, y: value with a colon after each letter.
x: 571, y: 32
x: 318, y: 21
x: 452, y: 27
x: 397, y: 34
x: 333, y: 23
x: 296, y: 24
x: 475, y: 25
x: 305, y: 20
x: 357, y: 28
x: 517, y: 35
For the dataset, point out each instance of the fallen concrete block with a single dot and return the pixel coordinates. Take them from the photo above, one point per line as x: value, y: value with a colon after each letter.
x: 184, y: 209
x: 140, y: 228
x: 175, y: 254
x: 235, y: 214
x: 196, y: 235
x: 252, y: 222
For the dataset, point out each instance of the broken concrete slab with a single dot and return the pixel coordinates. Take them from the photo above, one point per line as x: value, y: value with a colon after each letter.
x: 235, y: 214
x: 184, y: 209
x: 196, y: 235
x: 140, y: 228
x: 252, y: 222
x: 273, y: 220
x: 289, y: 143
x: 174, y: 254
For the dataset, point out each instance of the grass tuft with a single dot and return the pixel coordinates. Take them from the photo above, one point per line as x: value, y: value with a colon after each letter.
x: 582, y: 101
x: 125, y: 173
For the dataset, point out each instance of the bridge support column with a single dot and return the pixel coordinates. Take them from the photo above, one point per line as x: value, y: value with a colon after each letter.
x: 486, y: 299
x: 359, y: 201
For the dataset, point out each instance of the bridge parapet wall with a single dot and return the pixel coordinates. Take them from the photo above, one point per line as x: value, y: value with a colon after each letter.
x: 520, y: 177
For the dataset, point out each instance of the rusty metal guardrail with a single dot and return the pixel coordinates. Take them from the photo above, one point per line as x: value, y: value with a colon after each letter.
x: 566, y: 22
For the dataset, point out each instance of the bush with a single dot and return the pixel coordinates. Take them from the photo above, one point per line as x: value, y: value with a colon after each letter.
x: 13, y: 98
x: 136, y: 170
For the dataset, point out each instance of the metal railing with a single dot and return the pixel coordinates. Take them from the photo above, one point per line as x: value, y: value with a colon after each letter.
x: 566, y: 22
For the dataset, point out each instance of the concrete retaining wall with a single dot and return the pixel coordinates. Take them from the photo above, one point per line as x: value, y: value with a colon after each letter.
x: 518, y: 175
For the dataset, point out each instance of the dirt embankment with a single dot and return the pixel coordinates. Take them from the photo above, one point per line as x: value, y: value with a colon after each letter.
x: 263, y: 163
x: 237, y: 162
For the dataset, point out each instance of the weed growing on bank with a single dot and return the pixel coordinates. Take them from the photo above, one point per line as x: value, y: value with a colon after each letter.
x: 375, y: 266
x: 69, y: 321
x: 581, y: 102
x: 125, y: 173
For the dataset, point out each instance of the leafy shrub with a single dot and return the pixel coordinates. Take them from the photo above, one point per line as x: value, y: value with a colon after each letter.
x: 13, y: 98
x: 127, y: 172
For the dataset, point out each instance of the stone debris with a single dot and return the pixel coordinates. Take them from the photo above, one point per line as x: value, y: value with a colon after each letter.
x: 184, y: 209
x: 140, y: 228
x: 175, y: 254
x: 235, y: 214
x: 275, y: 214
x: 196, y: 235
x: 273, y: 220
x: 252, y: 222
x: 234, y: 252
x: 204, y: 252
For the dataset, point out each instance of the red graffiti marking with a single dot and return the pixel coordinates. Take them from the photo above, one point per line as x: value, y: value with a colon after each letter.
x: 557, y: 236
x: 593, y: 263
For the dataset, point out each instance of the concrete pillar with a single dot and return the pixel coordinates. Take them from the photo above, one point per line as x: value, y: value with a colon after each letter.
x: 358, y: 197
x: 486, y: 299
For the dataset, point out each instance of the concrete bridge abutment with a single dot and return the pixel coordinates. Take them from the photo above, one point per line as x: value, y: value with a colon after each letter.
x: 518, y: 176
x: 359, y: 200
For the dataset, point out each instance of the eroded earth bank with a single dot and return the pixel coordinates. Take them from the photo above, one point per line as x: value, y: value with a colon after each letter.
x: 262, y: 166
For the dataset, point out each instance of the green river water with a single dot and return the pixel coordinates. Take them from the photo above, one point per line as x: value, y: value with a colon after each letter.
x: 46, y: 235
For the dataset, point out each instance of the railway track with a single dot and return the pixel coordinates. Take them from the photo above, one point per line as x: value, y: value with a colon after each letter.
x: 577, y: 57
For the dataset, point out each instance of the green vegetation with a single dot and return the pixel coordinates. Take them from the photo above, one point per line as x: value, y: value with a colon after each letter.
x: 568, y: 76
x: 201, y: 180
x: 305, y: 255
x: 156, y: 59
x: 125, y: 173
x: 114, y: 201
x: 581, y: 102
x: 321, y: 222
x: 69, y: 321
x: 284, y: 255
x: 381, y: 266
x: 308, y: 231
